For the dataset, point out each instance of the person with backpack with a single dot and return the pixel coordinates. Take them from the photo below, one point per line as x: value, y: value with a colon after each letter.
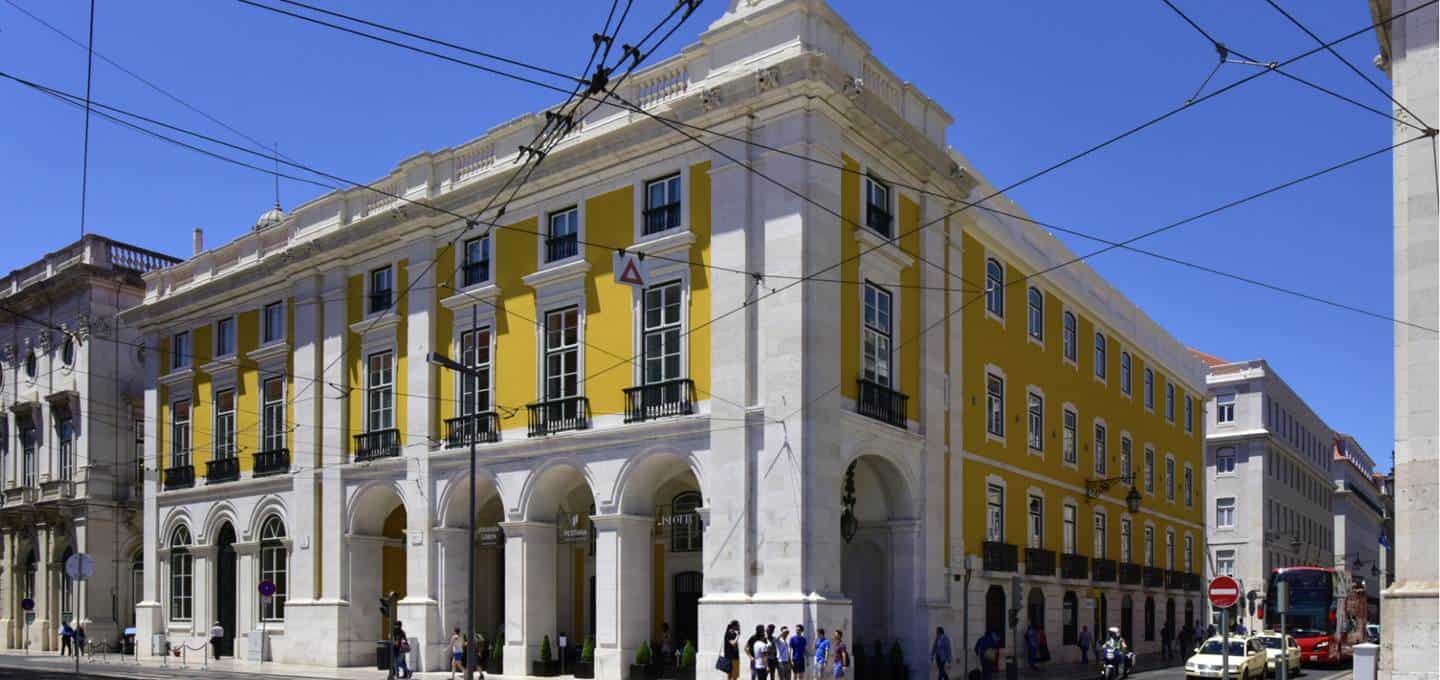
x: 841, y: 653
x: 987, y: 649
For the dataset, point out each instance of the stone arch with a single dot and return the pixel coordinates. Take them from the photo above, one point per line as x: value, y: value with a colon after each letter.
x: 547, y: 486
x: 453, y: 495
x: 640, y: 477
x: 878, y: 563
x: 370, y: 504
x: 216, y: 517
x: 271, y: 504
x: 898, y: 479
x: 176, y: 518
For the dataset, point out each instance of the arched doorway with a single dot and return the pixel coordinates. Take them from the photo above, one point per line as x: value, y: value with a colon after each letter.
x: 558, y: 603
x: 1070, y: 618
x: 879, y: 535
x: 1170, y: 616
x: 1035, y: 608
x: 1127, y: 619
x: 1149, y: 618
x: 995, y: 612
x: 489, y: 556
x: 376, y: 565
x: 664, y: 486
x: 1102, y: 617
x: 225, y: 587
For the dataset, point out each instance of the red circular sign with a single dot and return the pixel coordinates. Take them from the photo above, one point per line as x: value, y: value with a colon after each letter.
x: 1224, y: 592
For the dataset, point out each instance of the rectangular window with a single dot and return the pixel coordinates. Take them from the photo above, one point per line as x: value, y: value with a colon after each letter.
x: 994, y: 513
x: 1125, y: 536
x: 274, y: 322
x: 1036, y: 413
x: 1189, y: 486
x: 995, y: 405
x: 225, y: 337
x: 224, y: 424
x: 662, y: 204
x: 477, y: 261
x: 1189, y: 554
x: 272, y: 436
x: 4, y: 451
x: 1170, y: 401
x: 1225, y: 562
x: 1225, y: 512
x: 1100, y: 367
x: 1189, y: 414
x: 1169, y: 479
x: 1126, y: 469
x: 1149, y: 389
x: 1225, y: 408
x: 877, y: 335
x: 1068, y: 336
x: 1068, y: 515
x: 662, y: 333
x: 380, y: 392
x: 1101, y: 536
x: 1036, y: 316
x: 381, y: 288
x: 1125, y: 373
x: 1149, y: 470
x: 180, y: 351
x: 562, y: 239
x: 1069, y: 437
x: 1101, y: 463
x: 180, y: 583
x: 1149, y: 546
x: 877, y: 206
x: 1036, y: 526
x: 475, y: 388
x: 180, y: 434
x: 562, y: 354
x: 65, y: 434
x: 1170, y: 549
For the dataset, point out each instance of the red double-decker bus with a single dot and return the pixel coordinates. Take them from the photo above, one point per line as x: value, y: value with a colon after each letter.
x: 1327, y: 613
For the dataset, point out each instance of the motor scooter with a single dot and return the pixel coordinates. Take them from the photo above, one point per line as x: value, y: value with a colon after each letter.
x: 1114, y: 664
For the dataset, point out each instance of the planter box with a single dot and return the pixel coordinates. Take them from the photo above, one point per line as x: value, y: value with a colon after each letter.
x: 545, y: 669
x: 585, y: 669
x: 639, y: 672
x: 687, y: 673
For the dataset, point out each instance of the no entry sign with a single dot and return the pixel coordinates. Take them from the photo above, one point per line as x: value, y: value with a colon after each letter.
x: 1224, y: 592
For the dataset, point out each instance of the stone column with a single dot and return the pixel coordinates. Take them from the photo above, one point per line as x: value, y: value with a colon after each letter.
x: 9, y: 603
x: 40, y: 640
x: 419, y: 609
x: 202, y: 588
x: 247, y: 596
x: 529, y: 592
x: 450, y: 547
x: 148, y: 614
x: 622, y: 591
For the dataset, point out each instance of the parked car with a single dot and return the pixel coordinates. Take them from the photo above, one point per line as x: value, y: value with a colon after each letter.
x: 1271, y: 641
x: 1247, y: 659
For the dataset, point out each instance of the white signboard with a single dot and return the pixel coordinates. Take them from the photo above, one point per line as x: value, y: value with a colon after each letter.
x: 630, y: 269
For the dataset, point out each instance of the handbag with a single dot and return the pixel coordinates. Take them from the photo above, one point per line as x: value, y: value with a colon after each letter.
x: 723, y: 664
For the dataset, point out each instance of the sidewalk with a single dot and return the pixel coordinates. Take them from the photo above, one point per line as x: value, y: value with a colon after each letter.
x: 151, y: 667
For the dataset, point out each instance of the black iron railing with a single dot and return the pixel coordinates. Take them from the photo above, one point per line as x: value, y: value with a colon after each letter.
x: 222, y: 470
x: 662, y: 217
x: 484, y: 428
x: 475, y: 272
x: 1102, y: 570
x: 881, y: 403
x: 1174, y: 580
x: 1154, y: 577
x: 179, y: 477
x: 879, y: 219
x: 559, y: 415
x: 1192, y: 582
x: 561, y: 247
x: 1039, y: 562
x: 1129, y: 574
x: 1074, y: 566
x: 660, y: 400
x: 377, y: 444
x: 999, y: 556
x: 381, y: 300
x: 272, y: 462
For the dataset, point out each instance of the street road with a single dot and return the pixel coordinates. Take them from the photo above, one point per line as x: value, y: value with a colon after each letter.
x: 1178, y: 673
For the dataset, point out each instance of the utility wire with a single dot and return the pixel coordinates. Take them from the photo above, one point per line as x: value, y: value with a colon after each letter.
x: 85, y: 154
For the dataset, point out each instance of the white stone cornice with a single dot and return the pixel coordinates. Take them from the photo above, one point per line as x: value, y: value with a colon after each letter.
x: 274, y: 352
x: 885, y: 254
x: 484, y: 294
x: 222, y: 366
x: 176, y: 377
x: 675, y: 244
x: 558, y: 274
x: 376, y: 324
x: 619, y: 521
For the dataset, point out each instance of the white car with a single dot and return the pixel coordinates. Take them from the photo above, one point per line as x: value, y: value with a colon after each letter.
x: 1270, y: 640
x: 1247, y: 659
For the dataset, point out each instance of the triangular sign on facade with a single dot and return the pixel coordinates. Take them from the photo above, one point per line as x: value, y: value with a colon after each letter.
x: 630, y: 271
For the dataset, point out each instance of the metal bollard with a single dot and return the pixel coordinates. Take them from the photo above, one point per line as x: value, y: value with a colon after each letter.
x: 1366, y: 665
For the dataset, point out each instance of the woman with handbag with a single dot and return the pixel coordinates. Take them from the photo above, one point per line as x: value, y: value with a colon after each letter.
x: 729, y: 661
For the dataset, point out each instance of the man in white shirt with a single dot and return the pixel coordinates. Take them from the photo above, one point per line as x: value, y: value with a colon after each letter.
x: 760, y: 659
x: 217, y: 634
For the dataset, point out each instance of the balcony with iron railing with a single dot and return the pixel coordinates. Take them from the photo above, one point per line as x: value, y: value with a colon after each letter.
x: 1174, y: 580
x: 179, y: 477
x: 482, y: 428
x: 660, y: 400
x: 1154, y: 577
x: 222, y: 470
x: 661, y: 218
x: 558, y: 415
x: 1074, y: 566
x: 881, y: 403
x: 1103, y: 570
x: 1129, y: 574
x: 997, y: 556
x: 1039, y: 562
x: 377, y: 444
x: 271, y: 462
x: 560, y: 247
x: 1192, y: 582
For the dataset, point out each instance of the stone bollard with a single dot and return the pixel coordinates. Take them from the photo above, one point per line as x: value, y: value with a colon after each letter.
x: 1367, y: 657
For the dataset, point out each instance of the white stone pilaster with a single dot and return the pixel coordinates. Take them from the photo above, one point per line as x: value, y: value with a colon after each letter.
x: 529, y: 592
x: 623, y: 590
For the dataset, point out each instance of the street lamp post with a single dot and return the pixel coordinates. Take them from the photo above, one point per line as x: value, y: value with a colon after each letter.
x: 470, y: 431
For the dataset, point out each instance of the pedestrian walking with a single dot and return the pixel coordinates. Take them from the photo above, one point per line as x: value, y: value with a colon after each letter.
x: 457, y: 653
x: 67, y: 638
x: 782, y: 652
x: 987, y: 650
x: 799, y: 646
x: 1166, y: 635
x: 841, y: 653
x: 941, y: 653
x: 482, y: 654
x: 822, y: 653
x: 217, y: 635
x: 399, y: 652
x: 772, y: 655
x: 79, y: 639
x: 1084, y: 642
x: 1032, y: 647
x: 1187, y: 639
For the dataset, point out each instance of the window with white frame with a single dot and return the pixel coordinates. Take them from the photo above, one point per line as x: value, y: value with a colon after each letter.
x: 224, y: 446
x: 1101, y: 462
x: 1149, y: 470
x: 562, y: 238
x: 65, y: 434
x: 1225, y: 512
x: 1036, y: 412
x: 29, y: 441
x: 475, y: 387
x: 1068, y: 336
x: 562, y: 354
x: 274, y: 567
x: 476, y: 269
x: 272, y: 434
x: 180, y: 433
x: 1149, y: 546
x: 225, y: 337
x: 1125, y: 537
x: 995, y: 287
x: 180, y: 352
x: 1169, y: 401
x: 1068, y: 518
x: 995, y: 405
x: 181, y: 575
x: 1189, y: 486
x: 1169, y: 478
x: 380, y: 392
x: 1225, y: 460
x: 1125, y: 373
x: 1035, y: 528
x: 878, y: 337
x: 686, y: 533
x: 1037, y: 314
x: 1225, y: 562
x: 662, y: 204
x: 382, y: 285
x: 878, y: 215
x: 1069, y: 436
x: 1149, y: 389
x: 1189, y: 554
x: 273, y: 322
x: 1101, y: 535
x: 1100, y: 355
x: 1225, y: 408
x: 994, y: 513
x: 1126, y: 465
x: 1189, y: 414
x: 1170, y: 549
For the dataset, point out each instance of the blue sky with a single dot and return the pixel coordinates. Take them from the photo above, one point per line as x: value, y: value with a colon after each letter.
x: 1027, y: 83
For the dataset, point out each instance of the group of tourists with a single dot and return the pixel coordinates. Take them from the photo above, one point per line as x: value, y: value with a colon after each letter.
x: 783, y: 655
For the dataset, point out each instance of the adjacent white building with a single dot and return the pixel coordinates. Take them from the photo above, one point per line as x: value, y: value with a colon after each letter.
x: 1359, y: 519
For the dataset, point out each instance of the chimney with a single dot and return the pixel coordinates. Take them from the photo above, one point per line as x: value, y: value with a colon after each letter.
x: 199, y: 241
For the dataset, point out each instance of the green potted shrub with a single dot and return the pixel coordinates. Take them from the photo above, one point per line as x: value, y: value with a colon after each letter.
x: 586, y: 667
x: 495, y: 664
x: 547, y: 666
x: 640, y: 670
x: 687, y: 662
x: 896, y: 662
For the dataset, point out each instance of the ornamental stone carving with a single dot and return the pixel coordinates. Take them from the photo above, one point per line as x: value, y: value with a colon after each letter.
x: 710, y: 98
x: 767, y: 79
x: 854, y: 86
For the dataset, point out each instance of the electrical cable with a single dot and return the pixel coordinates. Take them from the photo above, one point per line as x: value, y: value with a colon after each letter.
x: 85, y: 158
